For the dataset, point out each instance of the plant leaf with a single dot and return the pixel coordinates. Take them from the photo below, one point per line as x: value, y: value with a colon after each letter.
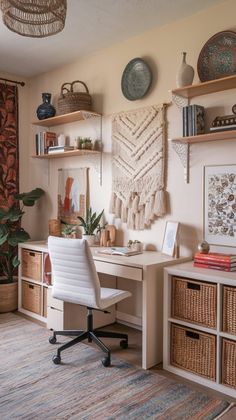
x: 4, y: 232
x: 91, y: 221
x: 20, y: 235
x: 15, y: 214
x: 15, y: 261
x: 30, y: 197
x: 3, y: 214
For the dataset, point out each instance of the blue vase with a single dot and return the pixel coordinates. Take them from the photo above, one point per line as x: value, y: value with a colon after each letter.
x: 46, y: 109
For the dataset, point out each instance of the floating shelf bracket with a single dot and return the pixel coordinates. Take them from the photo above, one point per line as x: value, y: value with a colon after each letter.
x: 88, y: 115
x: 179, y: 101
x: 182, y: 150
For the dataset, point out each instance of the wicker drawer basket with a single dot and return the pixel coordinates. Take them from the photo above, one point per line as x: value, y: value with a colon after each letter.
x: 229, y: 363
x: 193, y: 351
x: 32, y: 264
x: 31, y: 297
x: 194, y: 301
x: 229, y: 309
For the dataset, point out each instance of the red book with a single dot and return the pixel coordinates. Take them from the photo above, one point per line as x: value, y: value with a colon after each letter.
x: 214, y: 262
x: 213, y: 267
x: 216, y: 256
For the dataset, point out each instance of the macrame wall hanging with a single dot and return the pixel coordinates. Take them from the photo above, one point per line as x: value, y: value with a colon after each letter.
x: 138, y: 166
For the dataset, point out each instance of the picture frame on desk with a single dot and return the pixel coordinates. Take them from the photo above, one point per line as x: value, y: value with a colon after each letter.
x: 220, y: 204
x: 169, y: 244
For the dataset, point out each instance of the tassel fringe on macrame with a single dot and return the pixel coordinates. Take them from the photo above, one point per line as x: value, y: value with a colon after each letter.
x: 139, y: 216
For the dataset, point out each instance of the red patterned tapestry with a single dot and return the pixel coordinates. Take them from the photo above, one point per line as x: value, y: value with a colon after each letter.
x: 9, y: 155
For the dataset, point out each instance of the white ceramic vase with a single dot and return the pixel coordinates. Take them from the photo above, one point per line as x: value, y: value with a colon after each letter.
x: 185, y: 73
x: 90, y: 239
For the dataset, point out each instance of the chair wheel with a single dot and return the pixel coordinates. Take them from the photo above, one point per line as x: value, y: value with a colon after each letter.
x: 56, y: 359
x: 106, y: 361
x: 124, y: 344
x: 52, y: 339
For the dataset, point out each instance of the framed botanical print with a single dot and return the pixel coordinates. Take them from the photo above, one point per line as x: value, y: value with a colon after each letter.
x: 220, y: 205
x: 170, y: 236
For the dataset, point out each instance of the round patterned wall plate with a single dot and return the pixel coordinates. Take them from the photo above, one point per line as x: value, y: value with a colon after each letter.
x: 218, y: 57
x: 136, y: 79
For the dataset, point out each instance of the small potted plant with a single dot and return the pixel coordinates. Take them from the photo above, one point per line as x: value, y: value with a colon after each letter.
x: 11, y: 234
x: 135, y: 245
x: 69, y: 231
x: 87, y: 143
x: 90, y: 223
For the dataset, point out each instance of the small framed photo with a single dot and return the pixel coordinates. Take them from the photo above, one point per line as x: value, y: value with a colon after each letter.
x: 170, y: 236
x: 220, y: 205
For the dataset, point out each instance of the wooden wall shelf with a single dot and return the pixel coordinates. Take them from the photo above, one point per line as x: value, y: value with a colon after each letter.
x: 181, y: 97
x: 66, y: 118
x: 205, y: 88
x: 203, y: 138
x: 69, y: 153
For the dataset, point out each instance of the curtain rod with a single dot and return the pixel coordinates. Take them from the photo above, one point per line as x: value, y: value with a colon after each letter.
x: 13, y: 81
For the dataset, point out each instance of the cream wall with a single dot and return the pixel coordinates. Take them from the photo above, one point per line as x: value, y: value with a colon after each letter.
x: 102, y: 72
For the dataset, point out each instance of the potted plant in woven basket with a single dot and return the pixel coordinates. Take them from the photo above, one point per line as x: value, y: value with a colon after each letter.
x: 11, y: 234
x: 90, y: 223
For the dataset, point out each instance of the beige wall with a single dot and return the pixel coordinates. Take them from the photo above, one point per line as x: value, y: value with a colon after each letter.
x: 102, y: 72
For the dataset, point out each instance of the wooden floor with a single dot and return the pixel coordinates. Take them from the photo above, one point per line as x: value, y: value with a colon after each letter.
x: 133, y: 355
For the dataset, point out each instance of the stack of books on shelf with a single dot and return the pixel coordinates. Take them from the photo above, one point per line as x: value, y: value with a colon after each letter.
x: 193, y: 120
x: 215, y: 261
x: 59, y: 149
x: 44, y: 140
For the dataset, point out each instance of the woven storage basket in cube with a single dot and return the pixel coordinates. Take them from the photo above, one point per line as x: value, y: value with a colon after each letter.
x: 194, y: 351
x: 71, y: 100
x: 31, y: 297
x: 229, y: 310
x: 229, y: 363
x: 32, y: 264
x: 194, y: 301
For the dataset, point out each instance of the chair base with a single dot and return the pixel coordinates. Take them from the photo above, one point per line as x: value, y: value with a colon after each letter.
x: 92, y: 336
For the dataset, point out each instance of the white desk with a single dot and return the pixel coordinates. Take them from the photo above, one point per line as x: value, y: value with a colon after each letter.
x: 146, y: 268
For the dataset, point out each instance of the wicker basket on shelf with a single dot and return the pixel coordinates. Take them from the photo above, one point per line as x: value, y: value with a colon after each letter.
x: 31, y: 297
x: 229, y: 309
x: 194, y: 351
x: 71, y: 101
x: 229, y: 363
x: 194, y: 301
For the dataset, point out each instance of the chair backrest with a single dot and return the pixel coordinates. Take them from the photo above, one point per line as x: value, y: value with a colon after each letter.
x: 75, y: 277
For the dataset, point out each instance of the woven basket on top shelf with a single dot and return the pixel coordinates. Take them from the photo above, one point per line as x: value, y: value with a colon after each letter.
x: 194, y: 351
x: 194, y: 301
x: 229, y: 309
x: 71, y: 101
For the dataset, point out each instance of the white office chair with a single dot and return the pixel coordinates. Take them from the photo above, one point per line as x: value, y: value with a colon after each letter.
x: 75, y: 280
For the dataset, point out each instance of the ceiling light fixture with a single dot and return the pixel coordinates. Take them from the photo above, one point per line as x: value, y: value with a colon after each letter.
x: 34, y: 18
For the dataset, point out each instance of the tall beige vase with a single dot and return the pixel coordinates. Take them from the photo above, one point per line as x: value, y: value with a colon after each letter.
x: 185, y: 73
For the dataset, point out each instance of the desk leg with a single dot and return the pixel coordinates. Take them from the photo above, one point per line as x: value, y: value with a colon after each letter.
x: 152, y: 317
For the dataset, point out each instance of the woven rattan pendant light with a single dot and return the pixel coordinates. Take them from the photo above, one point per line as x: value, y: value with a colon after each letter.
x: 34, y: 18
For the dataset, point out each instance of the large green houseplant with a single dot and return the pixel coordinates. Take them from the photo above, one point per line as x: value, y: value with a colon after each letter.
x: 11, y: 234
x: 90, y: 223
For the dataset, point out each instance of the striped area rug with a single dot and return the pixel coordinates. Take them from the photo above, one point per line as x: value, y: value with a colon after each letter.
x: 32, y: 387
